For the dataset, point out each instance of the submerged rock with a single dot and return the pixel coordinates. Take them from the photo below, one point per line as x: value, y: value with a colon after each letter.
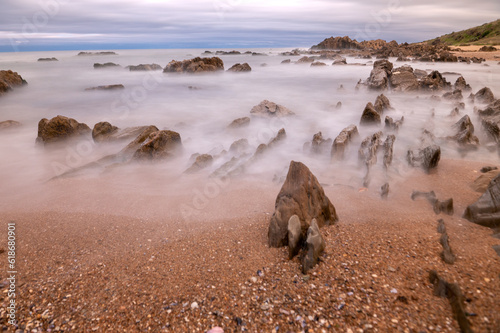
x: 404, y: 79
x: 202, y: 161
x: 240, y: 68
x: 159, y: 145
x: 486, y: 210
x: 106, y: 65
x: 484, y: 95
x: 270, y: 109
x: 434, y: 81
x: 465, y: 133
x: 47, y: 59
x: 9, y: 80
x: 145, y: 67
x: 108, y: 87
x: 60, y: 128
x: 380, y: 74
x: 239, y: 122
x: 427, y: 158
x: 382, y: 104
x: 300, y: 195
x: 9, y: 124
x: 370, y: 115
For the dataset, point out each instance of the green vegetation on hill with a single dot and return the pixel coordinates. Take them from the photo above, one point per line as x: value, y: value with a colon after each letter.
x: 486, y: 34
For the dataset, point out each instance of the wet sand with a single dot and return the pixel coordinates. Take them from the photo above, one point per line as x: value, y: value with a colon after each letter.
x: 95, y: 254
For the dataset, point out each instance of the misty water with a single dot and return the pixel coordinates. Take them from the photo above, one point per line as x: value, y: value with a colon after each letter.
x: 200, y: 107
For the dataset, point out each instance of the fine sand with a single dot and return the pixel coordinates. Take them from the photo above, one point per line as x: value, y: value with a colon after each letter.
x: 96, y: 255
x: 473, y: 51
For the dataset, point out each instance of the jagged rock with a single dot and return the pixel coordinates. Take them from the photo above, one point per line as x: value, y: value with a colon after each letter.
x: 455, y: 95
x: 341, y: 61
x: 305, y: 60
x: 239, y: 146
x: 370, y: 115
x: 195, y: 65
x: 159, y: 145
x: 484, y: 96
x: 318, y: 144
x: 447, y: 254
x: 9, y: 80
x: 337, y: 43
x: 393, y: 125
x: 384, y: 191
x: 491, y: 109
x: 145, y: 67
x: 434, y: 81
x: 60, y: 128
x: 202, y: 161
x: 318, y: 64
x: 270, y: 109
x: 427, y: 158
x: 130, y: 149
x: 102, y: 131
x: 451, y: 291
x: 382, y: 104
x: 465, y: 133
x: 315, y: 245
x: 342, y: 140
x: 388, y: 150
x: 9, y: 124
x: 446, y: 56
x: 481, y: 183
x: 300, y: 195
x: 239, y: 122
x: 105, y: 65
x: 367, y: 152
x: 404, y: 79
x: 380, y: 74
x: 461, y: 84
x: 108, y: 87
x: 486, y: 210
x: 240, y: 68
x: 295, y: 236
x: 47, y: 59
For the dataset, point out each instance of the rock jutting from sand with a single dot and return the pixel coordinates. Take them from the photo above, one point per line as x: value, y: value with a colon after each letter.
x: 315, y: 245
x: 195, y: 65
x: 342, y: 141
x: 427, y: 158
x: 60, y: 128
x: 380, y: 74
x: 300, y: 195
x: 486, y: 210
x: 370, y: 116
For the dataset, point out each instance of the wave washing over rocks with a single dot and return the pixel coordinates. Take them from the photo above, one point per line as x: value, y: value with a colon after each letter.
x: 243, y: 190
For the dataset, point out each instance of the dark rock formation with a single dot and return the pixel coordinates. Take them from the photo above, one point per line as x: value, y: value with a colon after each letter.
x: 437, y: 205
x: 145, y: 67
x: 382, y: 104
x: 60, y: 128
x: 47, y: 59
x: 239, y: 122
x: 390, y: 124
x: 9, y: 80
x: 320, y: 145
x: 337, y: 43
x: 370, y: 115
x: 108, y: 87
x: 300, y: 195
x: 159, y: 145
x: 295, y: 236
x: 195, y: 65
x: 404, y: 79
x: 315, y: 245
x: 105, y: 132
x: 486, y: 210
x: 102, y: 131
x: 388, y: 150
x: 367, y: 152
x: 97, y: 53
x: 202, y: 161
x: 342, y: 141
x: 427, y: 158
x: 484, y: 95
x: 447, y: 254
x: 240, y: 68
x: 465, y: 133
x: 461, y: 84
x: 384, y: 191
x: 106, y: 65
x: 380, y: 74
x: 452, y: 291
x: 270, y: 109
x: 434, y: 81
x: 455, y: 95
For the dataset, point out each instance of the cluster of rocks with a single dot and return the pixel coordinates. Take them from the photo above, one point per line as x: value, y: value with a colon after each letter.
x: 234, y: 52
x: 195, y: 65
x: 105, y: 65
x: 301, y: 209
x: 97, y: 53
x: 9, y: 80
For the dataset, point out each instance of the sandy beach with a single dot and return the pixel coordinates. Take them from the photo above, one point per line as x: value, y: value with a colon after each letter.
x: 473, y: 51
x: 144, y: 267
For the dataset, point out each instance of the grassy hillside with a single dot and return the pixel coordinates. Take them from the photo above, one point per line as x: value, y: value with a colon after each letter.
x: 486, y: 34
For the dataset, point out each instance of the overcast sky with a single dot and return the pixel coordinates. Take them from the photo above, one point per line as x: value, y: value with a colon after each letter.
x: 27, y: 25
